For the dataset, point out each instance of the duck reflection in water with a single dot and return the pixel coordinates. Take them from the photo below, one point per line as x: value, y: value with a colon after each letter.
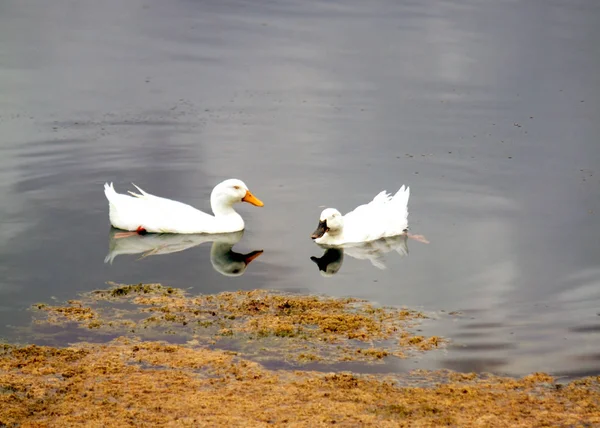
x: 331, y: 260
x: 223, y: 259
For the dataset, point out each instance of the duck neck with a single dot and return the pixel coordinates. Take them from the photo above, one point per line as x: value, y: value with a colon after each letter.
x: 222, y: 208
x: 335, y: 236
x: 336, y: 233
x: 226, y: 219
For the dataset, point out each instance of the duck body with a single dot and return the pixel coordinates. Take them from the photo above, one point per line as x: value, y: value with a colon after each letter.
x: 144, y: 212
x: 385, y: 216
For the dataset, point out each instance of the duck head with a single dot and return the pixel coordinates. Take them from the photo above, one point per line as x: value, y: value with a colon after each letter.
x: 229, y: 192
x: 331, y: 221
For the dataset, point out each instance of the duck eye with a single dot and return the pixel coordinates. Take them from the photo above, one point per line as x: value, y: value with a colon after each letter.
x: 236, y: 187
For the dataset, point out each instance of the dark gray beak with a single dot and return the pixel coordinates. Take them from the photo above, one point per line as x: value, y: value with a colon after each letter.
x: 320, y: 231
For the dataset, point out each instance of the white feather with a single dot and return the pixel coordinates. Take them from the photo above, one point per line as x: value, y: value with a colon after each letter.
x: 384, y: 216
x: 161, y: 215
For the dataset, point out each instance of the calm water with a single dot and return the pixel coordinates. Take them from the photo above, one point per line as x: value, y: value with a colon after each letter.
x: 488, y: 110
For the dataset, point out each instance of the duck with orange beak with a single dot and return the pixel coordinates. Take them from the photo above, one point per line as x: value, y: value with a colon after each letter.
x: 145, y: 213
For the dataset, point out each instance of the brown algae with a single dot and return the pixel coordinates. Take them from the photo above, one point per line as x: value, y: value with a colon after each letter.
x: 150, y: 383
x: 258, y: 323
x: 128, y: 381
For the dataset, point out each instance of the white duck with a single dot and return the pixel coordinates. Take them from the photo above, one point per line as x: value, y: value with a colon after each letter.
x: 143, y: 213
x: 384, y: 216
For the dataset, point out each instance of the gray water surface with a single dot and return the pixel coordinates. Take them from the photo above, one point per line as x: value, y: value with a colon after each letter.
x: 488, y: 110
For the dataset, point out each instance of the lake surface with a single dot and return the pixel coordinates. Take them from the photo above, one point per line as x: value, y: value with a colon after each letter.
x: 488, y: 110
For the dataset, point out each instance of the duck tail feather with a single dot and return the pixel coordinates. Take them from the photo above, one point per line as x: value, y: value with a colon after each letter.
x: 140, y: 195
x: 109, y: 191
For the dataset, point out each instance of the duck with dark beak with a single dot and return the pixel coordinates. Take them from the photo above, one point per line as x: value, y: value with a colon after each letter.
x: 320, y: 230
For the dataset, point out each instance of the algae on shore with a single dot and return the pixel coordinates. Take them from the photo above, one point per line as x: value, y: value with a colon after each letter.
x: 150, y: 383
x: 134, y: 380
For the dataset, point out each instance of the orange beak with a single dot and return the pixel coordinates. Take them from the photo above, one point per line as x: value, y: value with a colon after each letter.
x: 251, y: 199
x: 251, y: 256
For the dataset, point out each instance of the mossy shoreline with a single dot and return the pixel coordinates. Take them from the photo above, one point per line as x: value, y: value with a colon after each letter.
x: 126, y: 383
x: 138, y: 380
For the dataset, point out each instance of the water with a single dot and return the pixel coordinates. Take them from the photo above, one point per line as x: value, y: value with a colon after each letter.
x: 488, y: 110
